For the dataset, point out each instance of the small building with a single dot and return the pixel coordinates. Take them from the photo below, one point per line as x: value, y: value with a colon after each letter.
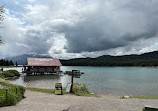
x: 42, y: 66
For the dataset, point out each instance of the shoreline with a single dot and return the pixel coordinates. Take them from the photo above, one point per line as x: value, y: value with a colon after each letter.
x: 99, y: 94
x: 108, y: 96
x: 134, y: 94
x: 37, y: 101
x: 83, y: 66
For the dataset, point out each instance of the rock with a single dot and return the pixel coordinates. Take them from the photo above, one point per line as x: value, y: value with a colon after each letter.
x: 151, y: 108
x: 126, y: 96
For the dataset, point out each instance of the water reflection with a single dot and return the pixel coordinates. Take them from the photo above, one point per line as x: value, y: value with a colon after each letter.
x: 47, y: 81
x: 39, y: 78
x: 114, y: 80
x: 41, y: 81
x: 13, y: 68
x: 44, y: 81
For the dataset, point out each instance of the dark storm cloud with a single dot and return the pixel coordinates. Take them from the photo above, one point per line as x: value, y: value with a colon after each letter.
x: 107, y: 27
x: 37, y: 40
x: 86, y: 38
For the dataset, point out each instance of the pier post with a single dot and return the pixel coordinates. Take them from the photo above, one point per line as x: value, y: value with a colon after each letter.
x: 72, y: 81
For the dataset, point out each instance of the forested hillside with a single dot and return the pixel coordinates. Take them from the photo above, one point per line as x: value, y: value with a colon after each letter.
x: 146, y: 59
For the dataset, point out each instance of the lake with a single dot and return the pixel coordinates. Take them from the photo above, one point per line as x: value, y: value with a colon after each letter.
x: 132, y: 81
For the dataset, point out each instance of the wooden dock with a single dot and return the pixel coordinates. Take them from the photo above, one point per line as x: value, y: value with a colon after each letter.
x: 42, y: 66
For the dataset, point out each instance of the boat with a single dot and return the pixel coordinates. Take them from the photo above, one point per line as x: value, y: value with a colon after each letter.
x: 77, y: 73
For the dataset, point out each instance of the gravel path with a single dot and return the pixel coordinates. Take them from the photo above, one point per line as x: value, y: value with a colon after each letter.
x: 36, y: 101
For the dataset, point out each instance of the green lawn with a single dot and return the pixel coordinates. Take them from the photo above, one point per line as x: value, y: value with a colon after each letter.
x: 145, y: 97
x: 78, y: 89
x: 14, y: 93
x: 40, y: 90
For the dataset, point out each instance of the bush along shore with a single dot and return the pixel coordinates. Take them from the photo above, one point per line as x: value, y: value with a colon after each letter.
x: 9, y: 74
x: 78, y: 89
x: 82, y: 90
x: 10, y: 94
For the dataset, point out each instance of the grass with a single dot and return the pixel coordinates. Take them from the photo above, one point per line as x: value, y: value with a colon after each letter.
x: 12, y: 96
x: 40, y: 90
x: 145, y: 97
x: 2, y: 76
x: 78, y: 89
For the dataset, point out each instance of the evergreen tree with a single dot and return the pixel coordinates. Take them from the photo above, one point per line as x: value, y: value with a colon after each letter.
x: 16, y: 63
x: 7, y: 63
x: 11, y: 63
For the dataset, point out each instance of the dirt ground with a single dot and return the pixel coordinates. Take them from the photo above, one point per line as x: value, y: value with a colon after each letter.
x: 37, y: 101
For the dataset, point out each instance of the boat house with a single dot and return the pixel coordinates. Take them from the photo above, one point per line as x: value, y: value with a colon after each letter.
x: 42, y: 65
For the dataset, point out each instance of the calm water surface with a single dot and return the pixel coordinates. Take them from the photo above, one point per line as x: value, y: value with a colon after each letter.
x: 133, y: 81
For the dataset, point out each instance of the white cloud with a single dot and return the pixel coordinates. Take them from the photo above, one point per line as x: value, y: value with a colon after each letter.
x: 37, y: 13
x: 31, y: 0
x: 72, y: 28
x: 12, y: 33
x: 22, y: 45
x: 58, y: 44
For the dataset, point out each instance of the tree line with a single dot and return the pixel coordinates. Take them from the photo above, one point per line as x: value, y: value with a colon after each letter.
x: 6, y: 62
x: 150, y: 59
x: 110, y: 62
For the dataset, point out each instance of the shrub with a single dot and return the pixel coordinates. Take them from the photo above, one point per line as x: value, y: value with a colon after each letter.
x: 82, y: 90
x: 22, y: 91
x: 2, y: 76
x: 15, y: 72
x: 77, y: 88
x: 10, y: 73
x: 14, y: 95
x: 11, y: 100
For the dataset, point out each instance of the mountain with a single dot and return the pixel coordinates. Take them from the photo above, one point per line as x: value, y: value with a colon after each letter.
x: 150, y: 54
x: 146, y: 59
x: 153, y: 54
x: 104, y: 56
x: 22, y: 59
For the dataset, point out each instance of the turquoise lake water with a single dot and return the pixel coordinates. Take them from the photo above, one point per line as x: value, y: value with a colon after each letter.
x: 132, y: 81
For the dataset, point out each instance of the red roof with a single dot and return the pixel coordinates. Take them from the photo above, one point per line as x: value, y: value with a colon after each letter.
x: 43, y: 62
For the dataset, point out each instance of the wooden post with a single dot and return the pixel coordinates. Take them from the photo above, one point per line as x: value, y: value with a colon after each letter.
x: 6, y: 94
x: 24, y: 68
x: 72, y: 81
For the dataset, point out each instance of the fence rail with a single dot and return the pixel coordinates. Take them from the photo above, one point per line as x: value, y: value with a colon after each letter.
x: 7, y: 92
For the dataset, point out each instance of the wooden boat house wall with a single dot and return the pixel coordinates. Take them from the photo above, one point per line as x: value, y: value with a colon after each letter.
x: 42, y: 65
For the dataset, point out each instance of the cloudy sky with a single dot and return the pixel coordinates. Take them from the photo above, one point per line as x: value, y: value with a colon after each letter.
x: 79, y: 28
